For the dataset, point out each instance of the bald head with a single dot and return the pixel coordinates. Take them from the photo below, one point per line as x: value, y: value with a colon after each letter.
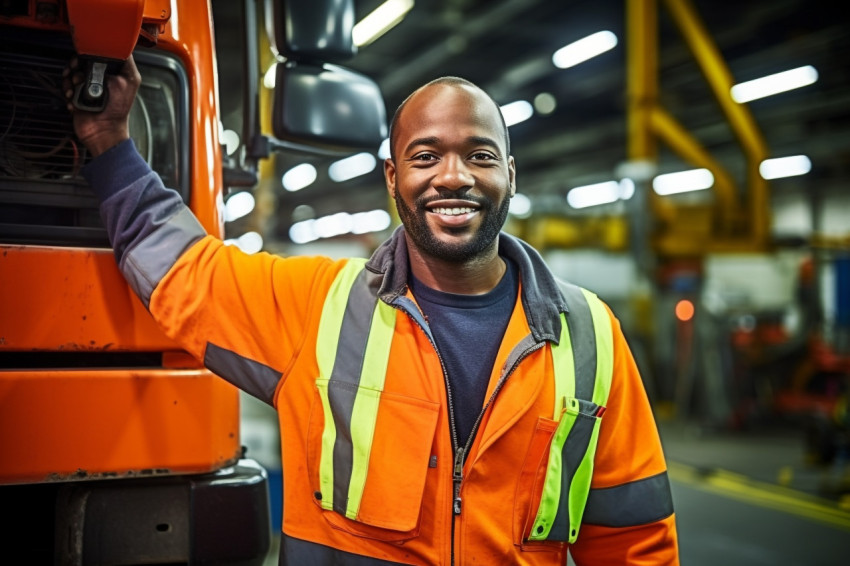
x: 455, y: 82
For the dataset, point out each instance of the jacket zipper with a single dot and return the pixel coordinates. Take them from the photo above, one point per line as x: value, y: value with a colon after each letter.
x: 461, y: 452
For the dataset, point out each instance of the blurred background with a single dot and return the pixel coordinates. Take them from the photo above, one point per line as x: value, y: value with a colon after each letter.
x: 687, y: 161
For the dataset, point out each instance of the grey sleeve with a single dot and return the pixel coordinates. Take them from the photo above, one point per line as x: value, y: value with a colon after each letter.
x: 148, y: 224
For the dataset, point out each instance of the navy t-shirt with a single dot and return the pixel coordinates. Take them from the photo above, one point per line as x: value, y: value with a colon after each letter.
x: 468, y: 330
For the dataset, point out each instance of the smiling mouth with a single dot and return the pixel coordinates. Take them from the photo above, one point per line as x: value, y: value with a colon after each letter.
x: 455, y: 211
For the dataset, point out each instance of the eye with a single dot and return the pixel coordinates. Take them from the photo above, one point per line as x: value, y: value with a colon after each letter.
x: 483, y: 156
x: 423, y: 157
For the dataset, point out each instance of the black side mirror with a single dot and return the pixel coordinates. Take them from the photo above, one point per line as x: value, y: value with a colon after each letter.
x: 327, y: 106
x: 318, y: 30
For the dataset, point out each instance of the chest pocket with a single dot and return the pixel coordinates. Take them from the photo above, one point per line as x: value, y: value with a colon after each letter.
x: 369, y: 478
x: 583, y: 364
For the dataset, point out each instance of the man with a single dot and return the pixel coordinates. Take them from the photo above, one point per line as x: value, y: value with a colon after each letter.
x: 441, y: 403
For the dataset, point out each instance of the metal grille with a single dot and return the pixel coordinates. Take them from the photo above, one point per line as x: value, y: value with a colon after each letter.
x: 36, y: 140
x: 43, y: 198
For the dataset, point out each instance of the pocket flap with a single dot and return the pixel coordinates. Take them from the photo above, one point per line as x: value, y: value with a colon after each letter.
x: 398, y: 455
x: 401, y: 450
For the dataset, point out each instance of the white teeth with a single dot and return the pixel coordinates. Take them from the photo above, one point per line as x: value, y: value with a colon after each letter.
x: 453, y: 211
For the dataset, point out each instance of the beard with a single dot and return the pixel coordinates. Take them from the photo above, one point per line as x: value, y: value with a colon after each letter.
x: 416, y: 226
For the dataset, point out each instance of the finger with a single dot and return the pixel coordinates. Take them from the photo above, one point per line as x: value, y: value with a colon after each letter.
x: 130, y: 72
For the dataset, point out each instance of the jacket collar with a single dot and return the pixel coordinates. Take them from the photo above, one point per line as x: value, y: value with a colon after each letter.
x: 541, y: 297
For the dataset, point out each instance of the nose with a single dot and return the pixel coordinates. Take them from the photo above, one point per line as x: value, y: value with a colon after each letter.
x: 454, y: 173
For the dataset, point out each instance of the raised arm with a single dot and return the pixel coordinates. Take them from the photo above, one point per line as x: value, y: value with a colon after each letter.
x: 243, y: 315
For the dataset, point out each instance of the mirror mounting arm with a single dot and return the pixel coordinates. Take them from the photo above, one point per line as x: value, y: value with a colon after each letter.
x: 256, y: 147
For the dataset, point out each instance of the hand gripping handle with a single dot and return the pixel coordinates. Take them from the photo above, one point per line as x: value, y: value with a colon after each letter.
x: 90, y: 95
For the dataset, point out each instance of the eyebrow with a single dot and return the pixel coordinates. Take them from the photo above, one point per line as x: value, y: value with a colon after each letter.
x: 434, y: 140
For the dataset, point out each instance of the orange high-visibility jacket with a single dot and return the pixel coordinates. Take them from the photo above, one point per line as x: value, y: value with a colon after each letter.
x: 254, y: 320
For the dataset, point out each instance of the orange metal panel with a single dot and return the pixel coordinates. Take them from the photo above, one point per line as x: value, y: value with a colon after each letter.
x: 105, y: 28
x: 71, y: 299
x: 157, y: 11
x: 91, y: 424
x: 190, y: 36
x: 60, y: 425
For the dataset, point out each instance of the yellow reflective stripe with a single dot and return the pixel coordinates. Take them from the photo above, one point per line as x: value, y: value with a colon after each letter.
x: 604, y: 348
x: 565, y: 385
x: 326, y: 343
x: 564, y: 364
x: 564, y: 377
x: 332, y: 312
x: 326, y: 465
x: 551, y: 494
x: 365, y: 410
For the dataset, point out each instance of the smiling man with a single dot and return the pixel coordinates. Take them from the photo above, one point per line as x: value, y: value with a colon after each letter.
x: 447, y: 401
x: 452, y: 178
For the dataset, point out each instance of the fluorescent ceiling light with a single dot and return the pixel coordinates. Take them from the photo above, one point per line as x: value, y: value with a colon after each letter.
x: 303, y: 232
x: 249, y: 242
x: 270, y: 77
x: 351, y: 167
x: 584, y: 49
x: 592, y: 195
x: 373, y: 221
x: 520, y: 206
x: 230, y: 141
x: 516, y: 112
x: 299, y: 177
x: 785, y: 167
x: 384, y: 150
x: 774, y: 84
x: 333, y: 225
x: 682, y: 182
x: 627, y: 188
x: 238, y: 205
x: 339, y: 224
x: 382, y: 19
x: 545, y: 103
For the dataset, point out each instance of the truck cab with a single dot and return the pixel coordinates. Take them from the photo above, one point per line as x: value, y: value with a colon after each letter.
x: 116, y: 446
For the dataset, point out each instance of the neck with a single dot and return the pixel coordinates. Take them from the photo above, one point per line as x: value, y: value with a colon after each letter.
x: 475, y: 276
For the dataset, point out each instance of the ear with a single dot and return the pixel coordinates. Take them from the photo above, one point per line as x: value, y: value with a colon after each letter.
x: 512, y: 174
x: 389, y: 176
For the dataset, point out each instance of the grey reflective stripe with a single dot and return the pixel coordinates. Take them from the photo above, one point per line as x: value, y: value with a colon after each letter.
x: 297, y: 552
x: 352, y: 350
x: 577, y: 441
x: 518, y: 350
x: 583, y: 338
x: 345, y: 377
x: 249, y: 375
x: 146, y: 264
x: 413, y: 311
x: 635, y: 503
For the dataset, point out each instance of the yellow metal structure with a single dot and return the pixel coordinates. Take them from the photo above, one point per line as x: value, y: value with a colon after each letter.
x: 728, y: 224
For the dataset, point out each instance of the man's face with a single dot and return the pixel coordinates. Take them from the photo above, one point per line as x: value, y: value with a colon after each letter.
x: 451, y: 179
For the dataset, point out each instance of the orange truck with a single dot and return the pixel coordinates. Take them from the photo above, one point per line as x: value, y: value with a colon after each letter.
x: 116, y: 447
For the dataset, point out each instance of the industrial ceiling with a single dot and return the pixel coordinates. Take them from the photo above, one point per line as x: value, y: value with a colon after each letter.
x: 505, y: 46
